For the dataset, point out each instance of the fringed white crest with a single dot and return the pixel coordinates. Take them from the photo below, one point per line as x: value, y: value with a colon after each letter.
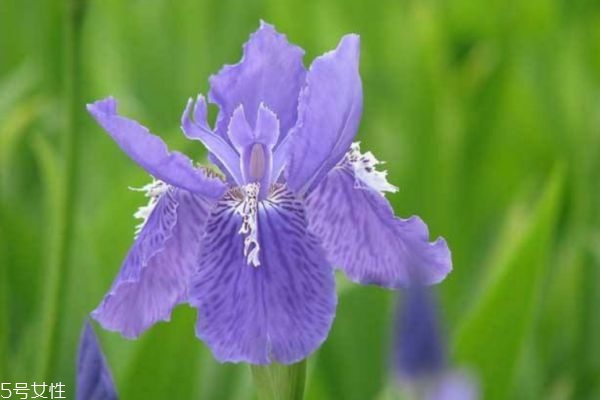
x: 364, y: 166
x: 154, y: 190
x: 248, y: 209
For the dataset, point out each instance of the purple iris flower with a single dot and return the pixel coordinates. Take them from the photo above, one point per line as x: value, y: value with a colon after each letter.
x: 253, y: 250
x: 94, y: 381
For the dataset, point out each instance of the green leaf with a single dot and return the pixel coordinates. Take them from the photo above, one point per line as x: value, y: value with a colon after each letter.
x: 280, y: 382
x: 351, y: 365
x: 491, y: 338
x: 167, y: 361
x: 52, y: 180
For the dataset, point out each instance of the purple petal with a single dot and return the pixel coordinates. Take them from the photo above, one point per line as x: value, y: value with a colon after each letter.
x: 239, y: 131
x: 267, y: 127
x: 224, y: 156
x: 362, y: 236
x: 94, y: 380
x: 328, y: 117
x: 280, y: 310
x: 266, y: 130
x: 419, y: 351
x: 270, y: 71
x: 150, y: 152
x: 156, y: 272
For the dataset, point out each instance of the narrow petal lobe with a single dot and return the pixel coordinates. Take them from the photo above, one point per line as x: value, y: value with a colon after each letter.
x: 156, y: 271
x: 151, y: 153
x: 280, y: 310
x: 220, y: 151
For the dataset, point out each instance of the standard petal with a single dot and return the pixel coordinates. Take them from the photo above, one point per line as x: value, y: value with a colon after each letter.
x: 270, y: 71
x: 94, y: 380
x: 280, y: 310
x: 362, y: 236
x: 328, y: 117
x: 150, y: 152
x: 156, y: 272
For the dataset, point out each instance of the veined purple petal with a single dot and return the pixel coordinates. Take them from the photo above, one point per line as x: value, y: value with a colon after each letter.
x: 225, y: 157
x: 362, y: 236
x: 419, y: 352
x: 156, y: 272
x: 328, y: 117
x: 270, y: 72
x: 280, y: 310
x: 150, y: 152
x: 94, y: 380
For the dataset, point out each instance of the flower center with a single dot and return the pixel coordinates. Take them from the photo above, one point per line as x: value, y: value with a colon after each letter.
x: 248, y: 210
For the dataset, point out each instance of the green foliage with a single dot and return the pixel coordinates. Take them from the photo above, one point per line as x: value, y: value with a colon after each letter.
x: 487, y: 116
x: 493, y: 334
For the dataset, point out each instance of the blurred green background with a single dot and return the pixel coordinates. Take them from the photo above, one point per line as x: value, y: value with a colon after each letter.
x: 487, y: 113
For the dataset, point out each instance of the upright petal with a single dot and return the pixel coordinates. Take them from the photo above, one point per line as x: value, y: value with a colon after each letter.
x: 156, y: 272
x: 94, y: 380
x: 328, y: 117
x: 362, y: 236
x: 267, y: 126
x: 270, y: 71
x: 151, y: 153
x: 220, y: 150
x: 239, y: 131
x: 280, y: 310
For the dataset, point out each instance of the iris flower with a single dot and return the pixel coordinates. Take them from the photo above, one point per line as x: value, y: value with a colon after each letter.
x: 94, y: 380
x: 253, y: 248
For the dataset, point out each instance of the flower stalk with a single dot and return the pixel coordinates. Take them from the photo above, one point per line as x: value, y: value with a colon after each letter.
x: 279, y: 382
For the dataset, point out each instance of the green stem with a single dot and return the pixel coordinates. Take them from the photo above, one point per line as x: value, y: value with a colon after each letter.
x: 280, y: 382
x: 61, y: 234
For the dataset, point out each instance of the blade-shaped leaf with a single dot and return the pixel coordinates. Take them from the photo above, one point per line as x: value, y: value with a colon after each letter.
x: 491, y: 338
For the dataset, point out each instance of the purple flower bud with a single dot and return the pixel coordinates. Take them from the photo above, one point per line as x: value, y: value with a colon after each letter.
x: 420, y: 359
x: 94, y: 380
x: 419, y: 350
